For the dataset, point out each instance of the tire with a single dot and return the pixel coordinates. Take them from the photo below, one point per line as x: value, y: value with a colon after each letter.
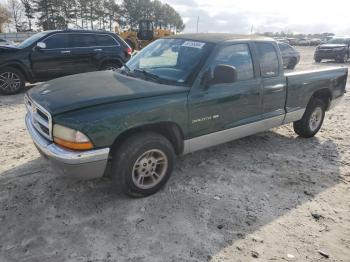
x: 134, y: 164
x: 312, y: 119
x: 318, y: 60
x: 12, y: 81
x: 292, y: 63
x: 111, y: 66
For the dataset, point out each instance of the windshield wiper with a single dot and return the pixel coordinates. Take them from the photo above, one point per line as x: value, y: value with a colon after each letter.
x: 149, y: 75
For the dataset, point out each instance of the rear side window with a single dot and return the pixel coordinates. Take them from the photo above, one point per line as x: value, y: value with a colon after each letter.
x: 82, y: 40
x: 105, y: 40
x: 57, y: 41
x: 269, y: 65
x: 237, y: 55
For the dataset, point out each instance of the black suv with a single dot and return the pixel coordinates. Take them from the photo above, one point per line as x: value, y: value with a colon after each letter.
x: 50, y: 54
x: 337, y: 48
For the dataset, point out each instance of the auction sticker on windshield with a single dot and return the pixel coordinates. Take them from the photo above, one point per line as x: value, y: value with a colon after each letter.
x: 193, y: 44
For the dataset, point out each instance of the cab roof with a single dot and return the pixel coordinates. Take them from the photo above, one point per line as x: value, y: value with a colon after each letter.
x: 220, y: 37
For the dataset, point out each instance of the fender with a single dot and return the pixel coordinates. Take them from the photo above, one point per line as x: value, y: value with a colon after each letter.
x: 27, y: 72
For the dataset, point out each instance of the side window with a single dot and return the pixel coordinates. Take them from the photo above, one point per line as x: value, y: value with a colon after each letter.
x: 57, y: 41
x: 82, y: 40
x: 237, y: 55
x: 268, y: 59
x: 105, y: 40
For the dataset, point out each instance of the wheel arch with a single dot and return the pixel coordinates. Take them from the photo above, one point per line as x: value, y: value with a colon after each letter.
x: 20, y: 67
x: 169, y: 130
x: 325, y: 95
x: 111, y: 60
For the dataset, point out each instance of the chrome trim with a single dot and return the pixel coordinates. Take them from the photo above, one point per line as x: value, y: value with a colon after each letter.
x: 294, y: 116
x: 230, y: 134
x: 62, y: 155
x: 336, y: 101
x: 32, y: 108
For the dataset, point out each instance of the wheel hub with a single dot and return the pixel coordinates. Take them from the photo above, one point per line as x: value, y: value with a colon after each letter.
x: 315, y: 119
x: 149, y: 169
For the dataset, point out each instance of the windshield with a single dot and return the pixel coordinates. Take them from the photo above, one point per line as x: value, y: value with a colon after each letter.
x: 337, y: 41
x: 168, y: 59
x: 29, y: 41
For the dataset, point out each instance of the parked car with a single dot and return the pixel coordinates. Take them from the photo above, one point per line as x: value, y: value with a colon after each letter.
x: 53, y: 54
x: 303, y: 41
x: 6, y: 42
x: 315, y: 41
x: 290, y: 55
x: 179, y: 95
x: 337, y: 48
x: 282, y: 40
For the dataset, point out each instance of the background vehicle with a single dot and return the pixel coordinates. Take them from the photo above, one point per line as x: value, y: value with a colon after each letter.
x: 337, y: 48
x: 290, y: 55
x: 178, y: 95
x: 6, y: 42
x: 53, y: 54
x: 315, y: 41
x: 146, y: 33
x: 303, y: 41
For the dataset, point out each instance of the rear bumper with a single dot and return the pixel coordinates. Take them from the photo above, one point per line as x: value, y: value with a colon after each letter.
x: 79, y: 164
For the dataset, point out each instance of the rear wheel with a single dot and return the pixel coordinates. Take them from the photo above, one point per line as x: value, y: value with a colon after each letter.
x: 312, y: 119
x: 143, y: 164
x: 12, y: 81
x: 344, y: 59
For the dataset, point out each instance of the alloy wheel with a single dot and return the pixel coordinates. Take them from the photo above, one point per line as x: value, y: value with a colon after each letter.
x: 10, y: 81
x: 149, y: 169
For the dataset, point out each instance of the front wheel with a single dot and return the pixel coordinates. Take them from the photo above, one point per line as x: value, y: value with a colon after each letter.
x: 12, y: 81
x: 143, y: 164
x: 312, y: 119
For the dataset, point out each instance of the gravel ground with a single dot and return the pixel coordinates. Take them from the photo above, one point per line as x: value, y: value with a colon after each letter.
x: 271, y: 196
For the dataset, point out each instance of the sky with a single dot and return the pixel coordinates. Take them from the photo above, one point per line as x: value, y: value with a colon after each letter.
x: 232, y: 16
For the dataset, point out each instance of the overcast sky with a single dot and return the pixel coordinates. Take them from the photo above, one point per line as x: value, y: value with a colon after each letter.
x: 233, y: 16
x: 300, y: 16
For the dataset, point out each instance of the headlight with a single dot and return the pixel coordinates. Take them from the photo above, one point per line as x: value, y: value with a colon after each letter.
x: 70, y: 138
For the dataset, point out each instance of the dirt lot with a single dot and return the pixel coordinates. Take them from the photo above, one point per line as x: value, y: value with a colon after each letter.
x: 271, y: 196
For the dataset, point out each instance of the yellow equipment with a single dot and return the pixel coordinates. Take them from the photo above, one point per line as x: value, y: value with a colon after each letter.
x: 144, y: 35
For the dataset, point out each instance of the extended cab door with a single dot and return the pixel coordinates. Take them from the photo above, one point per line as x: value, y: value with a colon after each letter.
x: 273, y: 80
x: 220, y: 107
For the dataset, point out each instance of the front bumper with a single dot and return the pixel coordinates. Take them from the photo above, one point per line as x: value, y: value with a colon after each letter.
x: 79, y: 164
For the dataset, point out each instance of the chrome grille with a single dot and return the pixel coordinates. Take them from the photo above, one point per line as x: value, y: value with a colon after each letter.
x: 40, y: 118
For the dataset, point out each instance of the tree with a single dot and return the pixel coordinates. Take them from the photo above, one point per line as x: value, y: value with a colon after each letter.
x: 5, y: 16
x: 28, y: 12
x: 16, y: 10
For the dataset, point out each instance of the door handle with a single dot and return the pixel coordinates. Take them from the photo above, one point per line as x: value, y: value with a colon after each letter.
x: 65, y: 52
x: 98, y: 50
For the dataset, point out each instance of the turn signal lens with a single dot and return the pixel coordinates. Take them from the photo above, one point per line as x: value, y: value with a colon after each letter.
x: 70, y: 138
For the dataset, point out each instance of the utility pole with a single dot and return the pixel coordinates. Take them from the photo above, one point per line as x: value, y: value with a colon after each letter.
x: 251, y: 30
x: 197, y: 23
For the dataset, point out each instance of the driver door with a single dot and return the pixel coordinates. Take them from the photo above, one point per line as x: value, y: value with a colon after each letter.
x: 221, y: 107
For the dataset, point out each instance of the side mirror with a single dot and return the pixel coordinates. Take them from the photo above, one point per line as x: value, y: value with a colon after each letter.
x: 222, y: 74
x: 40, y: 45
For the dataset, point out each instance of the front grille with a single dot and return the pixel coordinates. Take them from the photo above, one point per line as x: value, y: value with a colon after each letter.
x: 40, y: 118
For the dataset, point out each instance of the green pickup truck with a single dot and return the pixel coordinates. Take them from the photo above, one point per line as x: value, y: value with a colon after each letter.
x: 178, y: 95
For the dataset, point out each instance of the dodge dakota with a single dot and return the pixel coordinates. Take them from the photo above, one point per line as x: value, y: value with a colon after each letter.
x: 178, y: 95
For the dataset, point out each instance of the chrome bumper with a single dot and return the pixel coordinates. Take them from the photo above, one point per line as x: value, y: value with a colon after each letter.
x: 336, y: 101
x: 83, y: 164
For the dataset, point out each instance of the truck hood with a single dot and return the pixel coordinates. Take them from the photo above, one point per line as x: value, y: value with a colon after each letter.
x: 331, y: 46
x: 96, y: 88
